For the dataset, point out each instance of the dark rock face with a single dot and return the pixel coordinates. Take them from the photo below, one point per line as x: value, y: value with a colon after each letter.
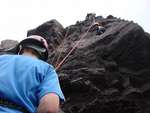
x: 106, y: 73
x: 52, y: 30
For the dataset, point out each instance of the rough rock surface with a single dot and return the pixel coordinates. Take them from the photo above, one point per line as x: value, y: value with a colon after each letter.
x: 107, y: 73
x: 7, y: 44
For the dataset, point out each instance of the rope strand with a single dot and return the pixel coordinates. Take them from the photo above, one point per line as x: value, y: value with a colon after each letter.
x: 74, y: 47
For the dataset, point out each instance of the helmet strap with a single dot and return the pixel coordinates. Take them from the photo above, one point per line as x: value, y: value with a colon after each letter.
x: 20, y: 49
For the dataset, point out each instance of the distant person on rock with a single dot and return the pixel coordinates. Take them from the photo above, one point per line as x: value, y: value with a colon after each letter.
x: 98, y: 27
x: 27, y: 83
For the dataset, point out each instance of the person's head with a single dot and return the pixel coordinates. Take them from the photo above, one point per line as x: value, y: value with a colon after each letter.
x: 35, y: 46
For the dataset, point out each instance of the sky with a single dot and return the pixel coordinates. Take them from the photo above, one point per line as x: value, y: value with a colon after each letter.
x: 18, y: 16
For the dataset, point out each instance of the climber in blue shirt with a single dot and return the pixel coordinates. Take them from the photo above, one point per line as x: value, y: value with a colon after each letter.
x: 27, y: 82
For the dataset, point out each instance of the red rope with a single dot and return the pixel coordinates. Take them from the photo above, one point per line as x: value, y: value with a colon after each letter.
x: 73, y: 48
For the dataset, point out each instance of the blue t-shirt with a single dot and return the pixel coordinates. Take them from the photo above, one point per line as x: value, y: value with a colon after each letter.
x: 24, y: 80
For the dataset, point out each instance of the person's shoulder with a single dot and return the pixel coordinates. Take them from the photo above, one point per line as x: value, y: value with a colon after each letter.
x: 7, y: 56
x: 26, y: 60
x: 17, y: 57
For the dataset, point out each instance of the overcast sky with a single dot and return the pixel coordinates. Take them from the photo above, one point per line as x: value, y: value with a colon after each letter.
x: 18, y: 16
